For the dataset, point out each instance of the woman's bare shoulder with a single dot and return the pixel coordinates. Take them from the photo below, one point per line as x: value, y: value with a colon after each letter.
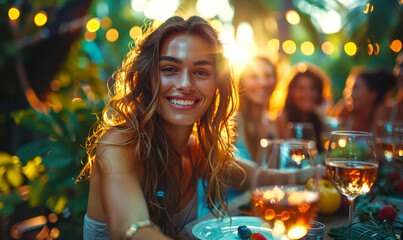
x: 115, y: 151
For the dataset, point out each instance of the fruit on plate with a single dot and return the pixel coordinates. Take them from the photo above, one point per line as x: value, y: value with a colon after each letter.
x: 258, y: 236
x: 388, y: 212
x: 244, y: 232
x: 329, y: 197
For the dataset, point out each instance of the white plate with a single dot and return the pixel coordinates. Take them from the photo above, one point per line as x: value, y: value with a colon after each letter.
x: 214, y: 229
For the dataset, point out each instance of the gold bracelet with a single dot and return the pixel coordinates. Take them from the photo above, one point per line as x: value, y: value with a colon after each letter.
x: 135, y: 226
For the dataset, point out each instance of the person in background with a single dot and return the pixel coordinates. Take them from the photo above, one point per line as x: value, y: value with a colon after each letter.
x: 365, y: 96
x: 392, y: 109
x: 307, y: 101
x: 167, y: 124
x: 256, y: 85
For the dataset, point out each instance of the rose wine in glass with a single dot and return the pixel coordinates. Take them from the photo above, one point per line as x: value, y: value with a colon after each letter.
x: 352, y: 164
x: 288, y: 208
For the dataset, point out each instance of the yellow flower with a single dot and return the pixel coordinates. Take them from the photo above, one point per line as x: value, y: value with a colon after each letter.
x: 4, y: 158
x: 60, y: 204
x: 10, y: 169
x: 33, y: 168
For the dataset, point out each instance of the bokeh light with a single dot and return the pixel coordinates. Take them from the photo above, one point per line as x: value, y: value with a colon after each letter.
x: 328, y: 48
x: 370, y: 49
x: 216, y: 24
x: 244, y: 33
x: 331, y: 22
x: 396, y: 45
x: 138, y: 5
x: 40, y: 19
x: 93, y: 25
x: 289, y: 47
x: 368, y: 8
x: 350, y: 48
x: 13, y: 13
x: 227, y: 12
x: 135, y: 32
x: 106, y: 22
x: 307, y: 48
x: 89, y: 36
x: 273, y: 45
x: 161, y: 9
x: 112, y: 35
x: 376, y: 48
x: 292, y: 17
x: 210, y: 8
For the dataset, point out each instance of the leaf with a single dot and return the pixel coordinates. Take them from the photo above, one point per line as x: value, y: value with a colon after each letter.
x: 33, y: 149
x: 58, y: 161
x: 361, y: 230
x: 35, y: 121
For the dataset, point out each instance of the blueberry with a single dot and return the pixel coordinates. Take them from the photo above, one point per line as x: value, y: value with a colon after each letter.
x: 244, y: 232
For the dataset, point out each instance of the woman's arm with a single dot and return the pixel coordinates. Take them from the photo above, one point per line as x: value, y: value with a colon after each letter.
x: 122, y: 197
x: 251, y: 176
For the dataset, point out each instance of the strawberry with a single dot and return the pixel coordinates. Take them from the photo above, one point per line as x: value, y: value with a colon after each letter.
x: 387, y: 212
x: 395, y: 176
x: 258, y: 236
x: 399, y: 186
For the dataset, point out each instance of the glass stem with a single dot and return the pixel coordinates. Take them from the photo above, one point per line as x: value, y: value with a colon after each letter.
x: 350, y: 216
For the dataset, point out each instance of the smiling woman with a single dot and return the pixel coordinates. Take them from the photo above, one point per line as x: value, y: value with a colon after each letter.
x: 167, y: 125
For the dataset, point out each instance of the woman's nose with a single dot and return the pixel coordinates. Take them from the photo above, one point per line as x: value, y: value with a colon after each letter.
x: 184, y: 82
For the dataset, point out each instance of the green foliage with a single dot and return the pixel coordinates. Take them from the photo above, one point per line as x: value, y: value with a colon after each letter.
x: 367, y: 228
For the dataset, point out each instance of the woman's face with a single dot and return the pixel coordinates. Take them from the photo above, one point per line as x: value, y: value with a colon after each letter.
x: 260, y: 80
x: 188, y: 79
x: 361, y: 95
x: 305, y: 94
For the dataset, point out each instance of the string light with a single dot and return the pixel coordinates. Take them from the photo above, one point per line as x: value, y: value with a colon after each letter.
x: 328, y: 48
x: 350, y: 48
x: 216, y: 24
x: 13, y: 13
x: 106, y: 22
x: 89, y: 36
x: 307, y: 48
x: 396, y: 45
x: 368, y: 8
x: 135, y: 32
x: 289, y: 47
x: 292, y: 17
x: 40, y: 19
x: 93, y: 25
x: 273, y: 45
x: 112, y: 35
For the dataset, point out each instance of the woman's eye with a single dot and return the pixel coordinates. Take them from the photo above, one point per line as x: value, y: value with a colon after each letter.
x: 168, y: 69
x: 202, y: 73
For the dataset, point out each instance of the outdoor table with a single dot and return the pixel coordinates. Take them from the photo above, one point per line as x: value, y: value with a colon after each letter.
x: 335, y: 220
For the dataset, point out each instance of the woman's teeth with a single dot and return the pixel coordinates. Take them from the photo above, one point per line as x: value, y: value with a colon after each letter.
x: 182, y: 102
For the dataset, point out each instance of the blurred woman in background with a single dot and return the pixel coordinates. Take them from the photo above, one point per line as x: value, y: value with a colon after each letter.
x: 365, y: 96
x: 256, y: 85
x: 307, y: 101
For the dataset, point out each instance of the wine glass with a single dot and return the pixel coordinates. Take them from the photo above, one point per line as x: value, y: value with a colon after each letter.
x: 352, y: 164
x: 302, y: 130
x: 288, y: 207
x: 389, y: 140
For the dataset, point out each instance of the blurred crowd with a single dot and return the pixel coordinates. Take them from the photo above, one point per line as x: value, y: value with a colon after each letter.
x: 371, y: 98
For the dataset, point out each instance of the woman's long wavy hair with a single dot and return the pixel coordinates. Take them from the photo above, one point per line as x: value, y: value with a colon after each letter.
x: 132, y: 110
